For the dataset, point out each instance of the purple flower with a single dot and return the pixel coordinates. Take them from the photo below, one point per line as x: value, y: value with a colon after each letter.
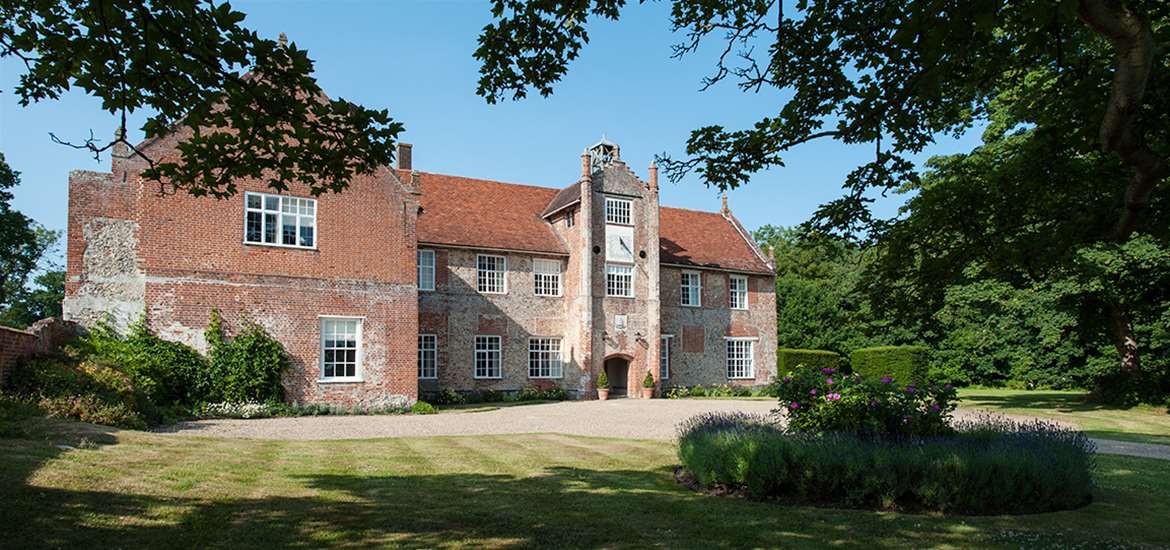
x: 828, y: 370
x: 833, y: 397
x: 887, y: 380
x: 787, y: 378
x: 910, y: 388
x: 934, y: 407
x: 829, y: 381
x: 794, y: 405
x: 812, y: 391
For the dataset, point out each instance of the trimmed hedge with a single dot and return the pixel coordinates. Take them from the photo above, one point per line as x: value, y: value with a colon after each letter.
x: 905, y: 364
x: 787, y: 359
x: 991, y: 466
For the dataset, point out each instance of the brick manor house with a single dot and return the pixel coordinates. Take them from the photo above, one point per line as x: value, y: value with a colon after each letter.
x: 409, y: 282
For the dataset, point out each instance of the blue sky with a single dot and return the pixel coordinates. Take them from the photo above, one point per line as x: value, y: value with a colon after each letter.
x: 415, y: 59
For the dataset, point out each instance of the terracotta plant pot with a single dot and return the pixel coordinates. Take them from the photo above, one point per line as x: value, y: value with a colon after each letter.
x: 647, y: 393
x: 602, y: 394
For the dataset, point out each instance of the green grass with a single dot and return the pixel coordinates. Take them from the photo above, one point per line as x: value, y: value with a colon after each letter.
x: 141, y: 490
x: 1142, y: 424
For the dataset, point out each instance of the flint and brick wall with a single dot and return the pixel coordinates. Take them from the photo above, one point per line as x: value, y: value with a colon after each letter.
x: 456, y: 313
x: 698, y: 347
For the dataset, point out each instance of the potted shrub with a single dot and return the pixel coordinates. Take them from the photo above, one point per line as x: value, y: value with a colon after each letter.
x: 602, y: 386
x: 648, y: 386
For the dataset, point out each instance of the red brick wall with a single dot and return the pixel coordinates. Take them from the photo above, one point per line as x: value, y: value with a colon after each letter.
x: 14, y: 346
x: 193, y: 259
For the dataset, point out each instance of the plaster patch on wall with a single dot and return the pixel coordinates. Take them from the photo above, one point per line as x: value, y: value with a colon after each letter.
x: 114, y: 288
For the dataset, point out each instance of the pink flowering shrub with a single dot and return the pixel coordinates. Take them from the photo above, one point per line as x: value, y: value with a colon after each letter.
x: 827, y: 400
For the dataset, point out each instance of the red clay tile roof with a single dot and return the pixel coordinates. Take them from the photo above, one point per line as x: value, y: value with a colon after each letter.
x: 482, y: 213
x: 478, y: 213
x: 705, y: 239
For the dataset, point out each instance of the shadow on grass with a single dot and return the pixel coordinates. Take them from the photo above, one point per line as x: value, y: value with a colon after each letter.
x: 558, y: 507
x: 1037, y: 400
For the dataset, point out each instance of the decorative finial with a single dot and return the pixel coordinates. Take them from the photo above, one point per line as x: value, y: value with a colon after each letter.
x: 282, y: 40
x: 725, y: 210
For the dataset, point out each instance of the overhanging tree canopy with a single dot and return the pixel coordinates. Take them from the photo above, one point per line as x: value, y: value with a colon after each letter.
x: 250, y: 104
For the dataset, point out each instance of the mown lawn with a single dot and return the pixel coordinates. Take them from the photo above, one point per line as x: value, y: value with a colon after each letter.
x: 1143, y: 424
x: 141, y: 490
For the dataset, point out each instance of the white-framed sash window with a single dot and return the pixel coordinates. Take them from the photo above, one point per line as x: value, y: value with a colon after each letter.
x: 341, y: 349
x: 491, y: 274
x: 692, y: 288
x: 741, y: 358
x: 487, y: 357
x: 428, y: 356
x: 544, y: 358
x: 546, y: 277
x: 737, y: 288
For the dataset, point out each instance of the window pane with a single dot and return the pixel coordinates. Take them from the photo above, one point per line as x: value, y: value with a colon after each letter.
x: 272, y: 203
x: 307, y: 232
x: 255, y: 224
x: 288, y: 230
x: 270, y: 228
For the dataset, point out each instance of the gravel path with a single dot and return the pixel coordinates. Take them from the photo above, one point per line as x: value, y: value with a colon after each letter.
x: 623, y: 418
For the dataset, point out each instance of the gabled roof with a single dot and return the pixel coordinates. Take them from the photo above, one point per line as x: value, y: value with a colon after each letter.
x: 460, y: 211
x: 477, y: 213
x: 706, y: 239
x: 563, y: 198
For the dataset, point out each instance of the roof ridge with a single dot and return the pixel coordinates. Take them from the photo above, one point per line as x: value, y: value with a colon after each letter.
x: 691, y: 210
x: 500, y: 182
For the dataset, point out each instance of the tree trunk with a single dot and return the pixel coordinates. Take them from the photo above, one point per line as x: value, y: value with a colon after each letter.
x: 1124, y: 340
x: 1133, y: 42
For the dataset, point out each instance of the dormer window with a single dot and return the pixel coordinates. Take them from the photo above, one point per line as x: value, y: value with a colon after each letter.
x: 570, y: 218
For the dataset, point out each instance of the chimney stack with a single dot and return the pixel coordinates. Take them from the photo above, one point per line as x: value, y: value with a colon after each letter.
x: 404, y: 156
x: 725, y: 211
x: 653, y: 175
x: 585, y: 170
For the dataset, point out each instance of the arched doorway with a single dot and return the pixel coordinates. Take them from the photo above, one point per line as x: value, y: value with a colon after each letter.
x: 617, y: 369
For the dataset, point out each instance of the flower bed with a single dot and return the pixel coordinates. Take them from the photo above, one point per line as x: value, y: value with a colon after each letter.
x: 990, y: 465
x: 826, y: 400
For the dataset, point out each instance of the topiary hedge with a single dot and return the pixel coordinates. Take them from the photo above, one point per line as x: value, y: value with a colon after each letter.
x: 904, y: 364
x: 787, y: 359
x: 990, y: 466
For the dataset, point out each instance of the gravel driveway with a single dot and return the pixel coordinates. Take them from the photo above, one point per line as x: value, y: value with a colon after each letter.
x: 624, y: 418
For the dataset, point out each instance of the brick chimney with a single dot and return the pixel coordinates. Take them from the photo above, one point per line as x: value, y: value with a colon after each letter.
x: 404, y: 156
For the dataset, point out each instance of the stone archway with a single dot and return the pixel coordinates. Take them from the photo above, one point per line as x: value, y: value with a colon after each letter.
x: 617, y: 369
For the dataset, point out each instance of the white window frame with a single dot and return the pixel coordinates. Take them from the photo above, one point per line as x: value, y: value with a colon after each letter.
x: 428, y: 343
x: 487, y: 354
x: 264, y: 211
x: 358, y: 351
x: 619, y: 211
x: 619, y: 270
x: 570, y: 218
x: 426, y: 283
x: 502, y: 269
x: 546, y: 273
x: 745, y: 369
x: 545, y: 354
x: 685, y: 289
x: 737, y: 295
x: 664, y: 356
